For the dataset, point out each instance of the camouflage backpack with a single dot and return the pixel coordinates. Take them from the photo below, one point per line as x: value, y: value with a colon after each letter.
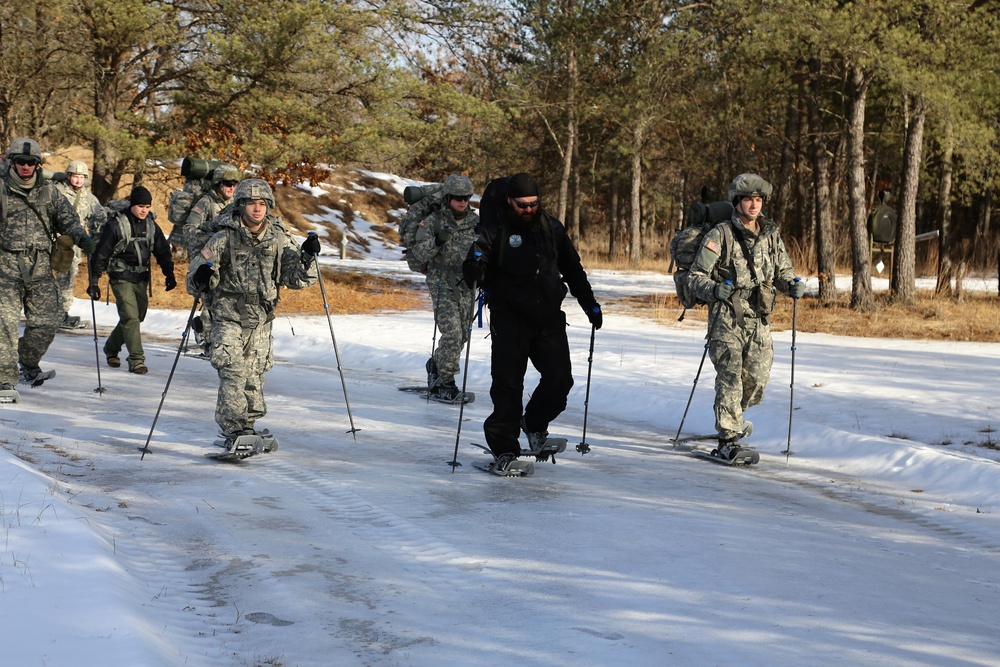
x: 422, y: 201
x: 198, y: 182
x: 685, y: 246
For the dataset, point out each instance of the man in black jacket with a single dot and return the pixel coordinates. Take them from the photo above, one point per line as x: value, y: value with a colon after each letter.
x: 128, y: 242
x: 524, y: 260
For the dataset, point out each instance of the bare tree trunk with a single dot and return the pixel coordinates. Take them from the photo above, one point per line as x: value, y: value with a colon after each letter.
x: 573, y: 228
x: 108, y: 166
x: 785, y: 188
x: 861, y: 290
x: 614, y: 221
x: 821, y: 192
x: 904, y: 282
x: 571, y: 131
x: 635, y: 224
x: 945, y: 268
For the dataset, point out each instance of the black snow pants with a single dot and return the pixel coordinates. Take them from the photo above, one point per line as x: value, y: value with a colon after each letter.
x: 516, y: 340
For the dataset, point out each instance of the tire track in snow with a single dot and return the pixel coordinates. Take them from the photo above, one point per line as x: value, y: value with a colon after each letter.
x: 388, y: 532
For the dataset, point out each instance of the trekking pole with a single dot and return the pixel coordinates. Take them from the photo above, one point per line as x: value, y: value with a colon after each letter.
x: 163, y: 396
x: 336, y: 352
x: 433, y: 345
x: 708, y: 339
x: 465, y: 374
x: 97, y: 355
x: 791, y: 385
x: 583, y: 447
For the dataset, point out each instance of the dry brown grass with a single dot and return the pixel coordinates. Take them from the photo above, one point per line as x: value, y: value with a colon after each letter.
x: 346, y: 293
x: 976, y: 318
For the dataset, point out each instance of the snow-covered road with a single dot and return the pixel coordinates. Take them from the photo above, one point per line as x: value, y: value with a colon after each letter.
x: 859, y: 551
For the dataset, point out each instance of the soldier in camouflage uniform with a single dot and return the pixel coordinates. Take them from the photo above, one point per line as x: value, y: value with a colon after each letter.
x: 198, y: 228
x: 741, y: 265
x: 93, y: 217
x: 443, y: 241
x: 32, y: 215
x: 241, y: 268
x: 201, y: 225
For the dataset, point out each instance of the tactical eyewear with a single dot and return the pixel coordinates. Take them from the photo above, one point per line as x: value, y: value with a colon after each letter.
x: 25, y: 161
x: 230, y: 184
x: 462, y: 198
x: 526, y: 204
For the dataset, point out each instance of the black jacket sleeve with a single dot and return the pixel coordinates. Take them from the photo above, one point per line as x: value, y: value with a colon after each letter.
x: 110, y: 236
x: 161, y: 250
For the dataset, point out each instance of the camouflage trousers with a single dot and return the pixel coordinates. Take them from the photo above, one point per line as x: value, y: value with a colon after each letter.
x: 452, y: 307
x: 65, y: 280
x: 39, y: 299
x: 742, y: 360
x: 241, y: 360
x: 132, y: 301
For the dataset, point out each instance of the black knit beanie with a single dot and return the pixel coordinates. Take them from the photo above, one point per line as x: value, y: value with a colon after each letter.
x: 140, y: 197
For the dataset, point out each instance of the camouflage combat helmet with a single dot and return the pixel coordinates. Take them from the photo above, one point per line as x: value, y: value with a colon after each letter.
x: 77, y: 167
x: 250, y: 189
x: 226, y: 172
x: 746, y: 185
x: 23, y: 147
x: 457, y: 185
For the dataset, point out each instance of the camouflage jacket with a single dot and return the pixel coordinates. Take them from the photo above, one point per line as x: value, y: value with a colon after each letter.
x: 201, y: 220
x: 92, y: 214
x: 248, y: 270
x: 29, y: 222
x: 721, y: 258
x: 444, y: 262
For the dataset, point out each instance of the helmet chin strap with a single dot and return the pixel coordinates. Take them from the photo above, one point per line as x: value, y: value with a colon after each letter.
x: 744, y: 214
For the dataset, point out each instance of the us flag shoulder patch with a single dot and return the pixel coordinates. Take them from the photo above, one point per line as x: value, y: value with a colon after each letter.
x: 206, y: 252
x: 713, y: 246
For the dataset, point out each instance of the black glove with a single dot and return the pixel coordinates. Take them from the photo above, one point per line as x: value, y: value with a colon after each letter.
x: 88, y: 245
x: 723, y: 291
x: 202, y: 277
x: 594, y: 315
x: 443, y: 235
x: 170, y: 282
x: 94, y: 291
x: 311, y: 245
x: 797, y: 288
x: 472, y: 272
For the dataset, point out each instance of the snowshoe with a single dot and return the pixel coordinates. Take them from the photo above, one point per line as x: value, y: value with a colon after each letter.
x: 238, y: 446
x: 730, y: 454
x: 35, y: 376
x: 73, y: 322
x: 550, y: 448
x: 449, y: 393
x: 8, y: 394
x: 506, y: 465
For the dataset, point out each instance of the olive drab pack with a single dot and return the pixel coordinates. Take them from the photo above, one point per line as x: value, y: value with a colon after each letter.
x: 687, y: 242
x: 422, y: 200
x: 882, y: 225
x: 198, y: 182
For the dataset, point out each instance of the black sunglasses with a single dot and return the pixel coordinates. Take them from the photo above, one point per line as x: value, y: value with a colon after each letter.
x: 230, y: 184
x: 458, y: 198
x: 25, y: 161
x: 526, y: 204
